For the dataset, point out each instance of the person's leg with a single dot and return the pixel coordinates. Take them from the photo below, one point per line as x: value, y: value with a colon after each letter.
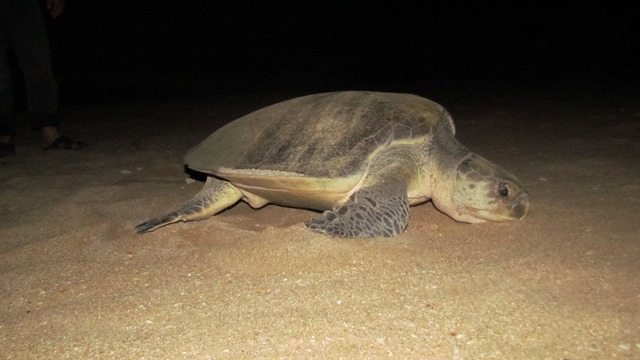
x: 7, y: 126
x: 31, y: 45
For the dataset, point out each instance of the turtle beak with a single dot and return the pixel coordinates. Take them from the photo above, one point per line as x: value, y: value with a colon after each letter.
x: 516, y: 210
x: 520, y: 207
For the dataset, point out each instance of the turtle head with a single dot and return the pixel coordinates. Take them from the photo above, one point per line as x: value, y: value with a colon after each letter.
x: 482, y: 191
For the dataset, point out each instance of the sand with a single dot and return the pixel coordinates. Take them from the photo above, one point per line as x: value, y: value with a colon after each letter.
x: 78, y: 283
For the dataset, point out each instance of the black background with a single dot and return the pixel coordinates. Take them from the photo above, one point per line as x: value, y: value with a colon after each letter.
x: 130, y: 50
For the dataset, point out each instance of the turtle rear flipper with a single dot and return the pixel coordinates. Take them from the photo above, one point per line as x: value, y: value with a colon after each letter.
x: 381, y: 209
x: 214, y: 197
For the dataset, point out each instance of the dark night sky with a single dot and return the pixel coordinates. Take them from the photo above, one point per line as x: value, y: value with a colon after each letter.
x: 136, y: 49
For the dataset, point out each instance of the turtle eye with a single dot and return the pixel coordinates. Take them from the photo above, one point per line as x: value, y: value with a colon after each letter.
x: 503, y: 190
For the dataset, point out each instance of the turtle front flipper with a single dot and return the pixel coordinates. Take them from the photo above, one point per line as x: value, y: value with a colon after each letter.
x: 380, y: 209
x: 215, y: 196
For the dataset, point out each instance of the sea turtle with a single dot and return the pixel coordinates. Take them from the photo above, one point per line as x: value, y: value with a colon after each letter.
x: 361, y: 157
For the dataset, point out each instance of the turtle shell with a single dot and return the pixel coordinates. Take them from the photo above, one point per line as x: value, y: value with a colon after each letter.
x: 319, y: 143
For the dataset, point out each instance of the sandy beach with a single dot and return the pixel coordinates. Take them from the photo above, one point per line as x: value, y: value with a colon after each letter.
x: 78, y: 283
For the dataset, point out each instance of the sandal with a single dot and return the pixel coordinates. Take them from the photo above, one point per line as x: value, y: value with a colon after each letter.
x: 65, y: 143
x: 7, y: 149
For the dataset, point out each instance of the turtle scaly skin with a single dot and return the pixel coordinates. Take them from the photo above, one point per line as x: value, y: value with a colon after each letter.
x: 214, y: 197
